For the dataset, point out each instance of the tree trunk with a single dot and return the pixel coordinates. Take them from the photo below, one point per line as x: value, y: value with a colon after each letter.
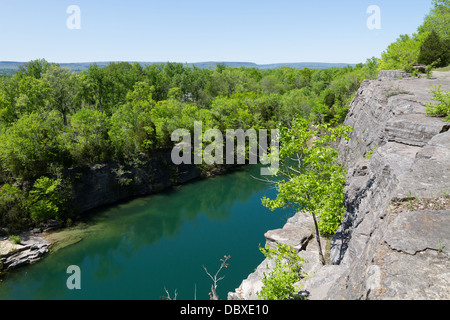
x: 64, y: 118
x: 322, y: 259
x: 213, y: 294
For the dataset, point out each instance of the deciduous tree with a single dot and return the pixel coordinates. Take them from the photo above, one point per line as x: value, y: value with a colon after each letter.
x: 63, y: 90
x: 311, y: 180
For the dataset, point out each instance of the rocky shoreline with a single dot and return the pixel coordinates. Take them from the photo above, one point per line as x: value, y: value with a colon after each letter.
x: 97, y: 185
x: 395, y: 237
x: 298, y: 232
x: 31, y: 248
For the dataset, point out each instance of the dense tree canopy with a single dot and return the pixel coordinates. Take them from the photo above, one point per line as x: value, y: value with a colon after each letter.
x: 123, y: 110
x: 430, y: 45
x: 52, y: 118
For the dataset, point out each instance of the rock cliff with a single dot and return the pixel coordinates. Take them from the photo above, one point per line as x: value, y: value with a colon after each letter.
x: 394, y: 240
x: 107, y: 183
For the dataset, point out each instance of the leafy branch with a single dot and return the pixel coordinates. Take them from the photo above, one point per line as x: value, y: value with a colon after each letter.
x: 313, y: 180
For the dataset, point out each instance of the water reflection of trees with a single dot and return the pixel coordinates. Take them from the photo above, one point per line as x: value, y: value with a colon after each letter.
x: 115, y: 234
x: 146, y: 221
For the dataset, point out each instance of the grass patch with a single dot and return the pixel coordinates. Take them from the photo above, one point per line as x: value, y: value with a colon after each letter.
x: 442, y: 107
x: 447, y: 68
x: 418, y: 204
x: 15, y: 239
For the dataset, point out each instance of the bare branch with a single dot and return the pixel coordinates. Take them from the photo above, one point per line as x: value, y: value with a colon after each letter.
x: 213, y: 294
x: 168, y: 295
x: 206, y: 270
x: 264, y: 180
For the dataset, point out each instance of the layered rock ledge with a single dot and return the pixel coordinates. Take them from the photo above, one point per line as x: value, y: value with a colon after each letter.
x: 30, y: 249
x: 396, y: 153
x: 298, y: 233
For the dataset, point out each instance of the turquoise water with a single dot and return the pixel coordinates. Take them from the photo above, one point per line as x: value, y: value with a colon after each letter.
x: 136, y: 249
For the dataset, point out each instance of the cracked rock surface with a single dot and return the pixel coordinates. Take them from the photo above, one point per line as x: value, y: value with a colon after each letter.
x: 413, y: 263
x: 31, y: 249
x: 413, y: 232
x: 396, y: 153
x: 379, y: 253
x: 298, y: 233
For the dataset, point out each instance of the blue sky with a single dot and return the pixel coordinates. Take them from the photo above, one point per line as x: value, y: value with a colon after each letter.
x: 204, y: 30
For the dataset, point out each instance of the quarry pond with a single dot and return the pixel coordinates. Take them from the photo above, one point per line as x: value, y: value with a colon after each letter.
x: 137, y: 249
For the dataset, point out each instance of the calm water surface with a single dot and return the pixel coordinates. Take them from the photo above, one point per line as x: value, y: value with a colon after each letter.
x: 136, y: 249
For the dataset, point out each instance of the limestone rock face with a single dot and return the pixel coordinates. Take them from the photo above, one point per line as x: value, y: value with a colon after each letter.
x: 396, y: 153
x: 297, y: 233
x: 413, y: 263
x: 393, y: 74
x: 106, y: 183
x: 379, y: 254
x: 31, y: 249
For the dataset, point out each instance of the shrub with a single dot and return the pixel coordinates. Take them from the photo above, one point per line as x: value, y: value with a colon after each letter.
x: 12, y: 211
x: 15, y: 239
x: 45, y: 199
x: 402, y: 54
x: 279, y: 284
x: 442, y: 108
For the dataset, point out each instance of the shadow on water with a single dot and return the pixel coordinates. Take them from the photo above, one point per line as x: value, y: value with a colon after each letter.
x: 133, y: 250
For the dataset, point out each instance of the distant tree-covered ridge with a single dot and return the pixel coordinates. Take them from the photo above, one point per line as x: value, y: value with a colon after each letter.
x: 10, y: 67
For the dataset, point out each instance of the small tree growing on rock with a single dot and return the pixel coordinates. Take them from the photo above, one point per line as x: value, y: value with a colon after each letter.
x: 311, y: 180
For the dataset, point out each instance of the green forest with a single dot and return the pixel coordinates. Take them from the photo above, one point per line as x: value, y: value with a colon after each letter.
x: 52, y: 118
x: 429, y: 46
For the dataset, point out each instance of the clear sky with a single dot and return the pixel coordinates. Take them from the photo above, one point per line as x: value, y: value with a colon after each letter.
x: 276, y: 31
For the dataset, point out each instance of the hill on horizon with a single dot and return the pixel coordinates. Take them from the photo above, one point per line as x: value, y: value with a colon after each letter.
x: 9, y: 67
